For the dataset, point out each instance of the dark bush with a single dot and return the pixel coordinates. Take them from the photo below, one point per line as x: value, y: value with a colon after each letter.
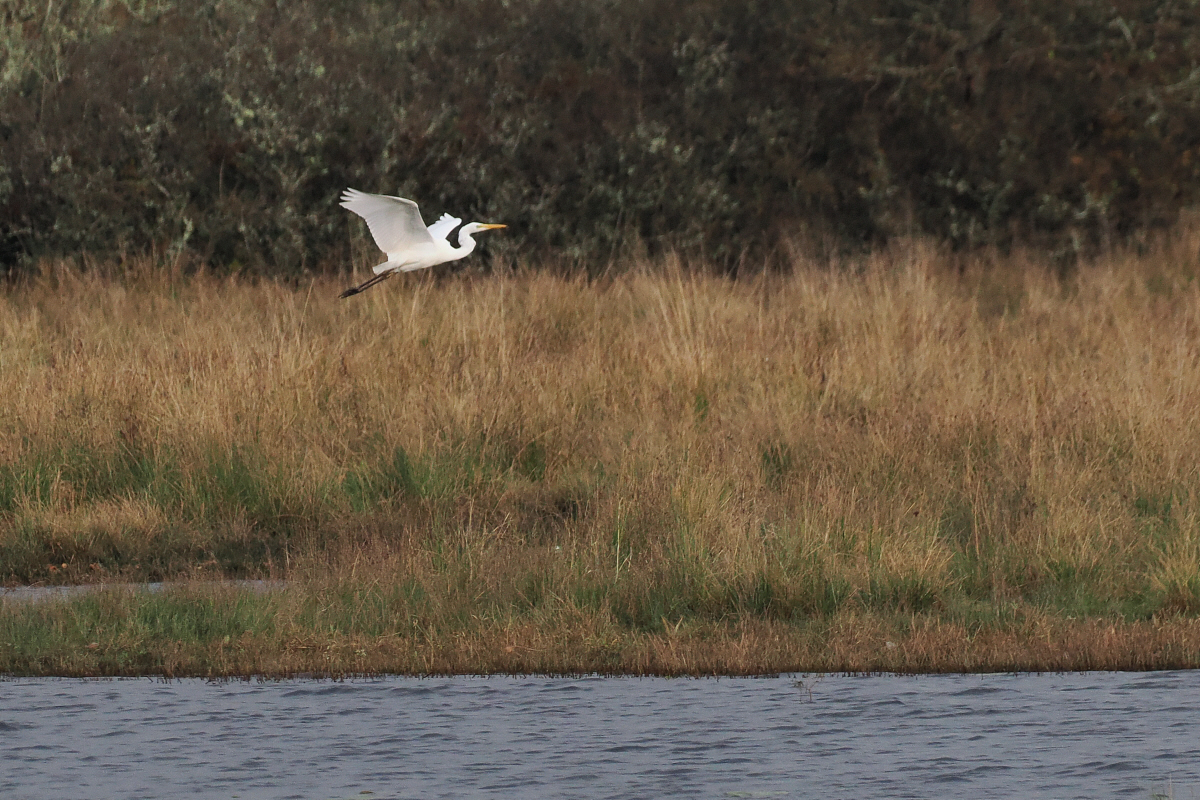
x: 227, y: 129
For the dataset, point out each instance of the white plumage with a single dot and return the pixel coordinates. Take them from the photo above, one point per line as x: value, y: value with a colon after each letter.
x: 396, y: 225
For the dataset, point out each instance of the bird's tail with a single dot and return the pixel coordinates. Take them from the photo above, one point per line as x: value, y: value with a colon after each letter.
x: 386, y: 266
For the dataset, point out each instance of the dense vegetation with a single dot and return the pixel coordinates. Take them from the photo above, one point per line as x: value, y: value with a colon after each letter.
x: 224, y: 131
x: 652, y: 471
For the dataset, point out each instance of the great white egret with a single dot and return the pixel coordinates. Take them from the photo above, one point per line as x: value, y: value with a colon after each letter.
x: 398, y: 229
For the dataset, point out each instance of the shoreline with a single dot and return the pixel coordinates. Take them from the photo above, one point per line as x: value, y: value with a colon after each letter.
x: 243, y: 630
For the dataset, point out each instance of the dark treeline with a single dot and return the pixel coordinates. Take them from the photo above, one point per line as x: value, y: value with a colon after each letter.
x: 226, y: 129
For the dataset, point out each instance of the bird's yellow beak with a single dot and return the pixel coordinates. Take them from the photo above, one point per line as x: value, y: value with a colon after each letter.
x: 489, y: 225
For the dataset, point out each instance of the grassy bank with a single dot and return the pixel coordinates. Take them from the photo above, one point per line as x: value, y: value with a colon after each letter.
x: 981, y: 464
x: 397, y: 624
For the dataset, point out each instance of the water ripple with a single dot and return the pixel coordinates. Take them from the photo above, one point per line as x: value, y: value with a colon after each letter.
x: 1031, y: 736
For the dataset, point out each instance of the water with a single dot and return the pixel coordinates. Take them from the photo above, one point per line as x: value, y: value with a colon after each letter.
x: 1027, y: 736
x: 33, y: 594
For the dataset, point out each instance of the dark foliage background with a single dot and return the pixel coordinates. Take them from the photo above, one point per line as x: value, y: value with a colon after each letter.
x: 226, y: 129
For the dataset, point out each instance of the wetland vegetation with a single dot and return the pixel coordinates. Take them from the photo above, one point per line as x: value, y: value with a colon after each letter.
x: 823, y: 335
x: 914, y: 460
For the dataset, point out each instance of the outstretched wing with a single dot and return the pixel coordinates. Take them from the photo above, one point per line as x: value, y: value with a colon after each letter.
x: 441, y: 229
x: 395, y: 223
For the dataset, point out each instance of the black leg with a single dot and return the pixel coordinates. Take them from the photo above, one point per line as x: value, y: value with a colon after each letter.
x: 356, y: 289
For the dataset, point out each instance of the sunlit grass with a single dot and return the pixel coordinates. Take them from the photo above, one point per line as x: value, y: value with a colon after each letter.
x: 912, y: 448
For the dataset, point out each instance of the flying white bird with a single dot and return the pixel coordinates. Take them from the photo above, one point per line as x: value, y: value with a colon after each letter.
x: 400, y: 232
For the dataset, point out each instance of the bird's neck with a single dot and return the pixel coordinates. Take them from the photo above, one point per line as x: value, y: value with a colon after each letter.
x: 466, y: 245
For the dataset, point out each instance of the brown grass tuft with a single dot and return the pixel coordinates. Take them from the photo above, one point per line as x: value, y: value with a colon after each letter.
x: 983, y: 463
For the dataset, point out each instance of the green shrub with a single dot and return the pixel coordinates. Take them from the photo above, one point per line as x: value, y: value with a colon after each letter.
x: 226, y: 131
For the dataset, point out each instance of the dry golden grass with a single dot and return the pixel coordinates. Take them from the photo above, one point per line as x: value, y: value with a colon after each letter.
x: 981, y: 462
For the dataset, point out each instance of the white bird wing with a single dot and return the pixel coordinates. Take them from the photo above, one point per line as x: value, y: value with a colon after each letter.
x: 395, y: 222
x: 441, y: 229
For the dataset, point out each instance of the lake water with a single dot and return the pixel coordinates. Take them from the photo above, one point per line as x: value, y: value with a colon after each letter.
x: 1022, y: 736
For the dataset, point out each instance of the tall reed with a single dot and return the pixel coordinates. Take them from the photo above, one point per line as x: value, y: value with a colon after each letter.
x: 913, y: 440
